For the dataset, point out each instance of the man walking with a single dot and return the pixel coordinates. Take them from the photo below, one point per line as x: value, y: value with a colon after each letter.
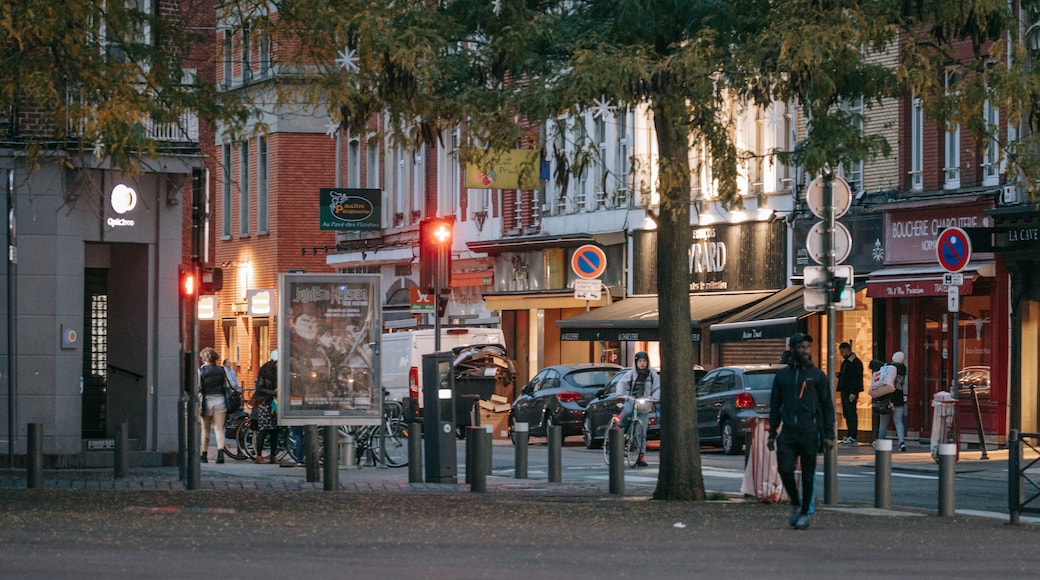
x: 850, y: 385
x: 802, y: 410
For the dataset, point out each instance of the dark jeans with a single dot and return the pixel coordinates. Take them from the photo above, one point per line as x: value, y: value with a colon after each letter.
x: 792, y: 447
x: 848, y: 410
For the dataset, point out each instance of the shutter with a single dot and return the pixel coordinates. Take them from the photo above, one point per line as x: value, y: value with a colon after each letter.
x: 764, y: 351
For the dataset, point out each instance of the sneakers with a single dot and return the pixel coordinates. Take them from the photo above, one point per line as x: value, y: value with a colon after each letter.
x: 802, y: 523
x: 641, y: 462
x: 220, y: 456
x: 902, y: 446
x: 204, y: 458
x: 796, y: 513
x: 848, y: 441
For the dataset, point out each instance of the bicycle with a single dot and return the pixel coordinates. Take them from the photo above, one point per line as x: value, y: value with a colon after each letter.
x: 370, y: 442
x: 635, y: 432
x: 285, y: 446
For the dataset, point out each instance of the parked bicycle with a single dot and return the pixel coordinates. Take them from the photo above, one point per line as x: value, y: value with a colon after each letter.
x: 635, y: 432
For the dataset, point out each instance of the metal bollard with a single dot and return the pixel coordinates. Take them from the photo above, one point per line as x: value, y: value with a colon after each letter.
x: 616, y: 443
x: 947, y: 479
x: 121, y: 460
x: 331, y: 467
x: 883, y: 474
x: 348, y: 458
x: 34, y: 459
x: 481, y: 464
x: 194, y: 436
x: 471, y: 452
x: 1016, y: 489
x: 311, y: 461
x: 182, y: 437
x: 488, y: 448
x: 415, y: 452
x: 520, y: 451
x: 555, y: 452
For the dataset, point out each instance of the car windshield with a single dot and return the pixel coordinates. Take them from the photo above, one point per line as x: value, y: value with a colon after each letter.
x: 592, y: 378
x: 759, y: 381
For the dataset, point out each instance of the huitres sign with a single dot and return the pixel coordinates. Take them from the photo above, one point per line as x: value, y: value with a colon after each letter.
x: 349, y: 209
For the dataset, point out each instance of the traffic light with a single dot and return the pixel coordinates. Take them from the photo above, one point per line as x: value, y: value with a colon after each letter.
x: 838, y: 289
x: 187, y: 285
x: 435, y: 253
x: 212, y: 280
x: 442, y: 305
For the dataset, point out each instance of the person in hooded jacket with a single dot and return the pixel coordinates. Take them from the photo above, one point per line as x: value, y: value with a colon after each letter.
x: 640, y: 382
x: 213, y: 409
x: 801, y: 409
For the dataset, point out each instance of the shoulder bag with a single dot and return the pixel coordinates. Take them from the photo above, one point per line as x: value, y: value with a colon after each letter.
x: 232, y: 398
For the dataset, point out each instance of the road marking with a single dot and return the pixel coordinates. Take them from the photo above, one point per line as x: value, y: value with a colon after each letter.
x: 909, y: 475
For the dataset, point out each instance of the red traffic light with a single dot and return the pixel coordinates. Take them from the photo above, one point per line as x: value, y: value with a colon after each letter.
x: 187, y: 283
x: 441, y: 233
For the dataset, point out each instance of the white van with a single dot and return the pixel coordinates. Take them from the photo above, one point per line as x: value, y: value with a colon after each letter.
x: 401, y: 355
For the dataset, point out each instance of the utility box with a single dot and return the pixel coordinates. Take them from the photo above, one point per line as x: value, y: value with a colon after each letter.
x: 439, y: 418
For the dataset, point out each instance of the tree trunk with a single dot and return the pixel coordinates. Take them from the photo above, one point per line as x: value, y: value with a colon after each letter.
x: 680, y: 477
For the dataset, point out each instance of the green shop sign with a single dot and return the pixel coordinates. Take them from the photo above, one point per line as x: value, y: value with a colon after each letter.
x: 348, y: 209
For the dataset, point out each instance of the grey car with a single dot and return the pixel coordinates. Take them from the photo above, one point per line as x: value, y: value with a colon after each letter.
x: 557, y: 395
x: 728, y: 398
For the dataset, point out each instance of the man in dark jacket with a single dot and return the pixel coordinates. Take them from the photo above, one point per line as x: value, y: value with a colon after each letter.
x: 850, y: 385
x: 801, y: 408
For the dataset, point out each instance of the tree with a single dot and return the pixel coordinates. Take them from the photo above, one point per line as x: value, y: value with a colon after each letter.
x: 487, y: 64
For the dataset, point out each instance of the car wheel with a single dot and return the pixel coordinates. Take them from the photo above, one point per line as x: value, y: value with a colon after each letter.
x: 732, y: 443
x: 589, y: 435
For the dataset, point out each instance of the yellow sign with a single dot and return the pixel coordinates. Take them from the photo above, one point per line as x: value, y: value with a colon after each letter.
x: 514, y: 169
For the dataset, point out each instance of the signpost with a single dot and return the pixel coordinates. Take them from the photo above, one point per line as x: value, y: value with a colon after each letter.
x: 953, y: 250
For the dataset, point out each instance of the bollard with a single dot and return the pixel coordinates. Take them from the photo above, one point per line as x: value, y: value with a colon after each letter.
x: 471, y: 451
x: 34, y: 459
x: 883, y: 474
x: 194, y: 435
x: 311, y: 460
x: 488, y: 449
x: 947, y: 479
x: 121, y: 461
x: 616, y: 447
x: 348, y: 458
x: 415, y: 452
x: 555, y: 433
x: 480, y: 466
x: 182, y: 437
x: 520, y: 451
x: 1016, y: 490
x: 331, y: 467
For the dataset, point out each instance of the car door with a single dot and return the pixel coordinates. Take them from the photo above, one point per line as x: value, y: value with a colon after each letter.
x: 703, y: 389
x: 527, y: 408
x: 603, y: 407
x: 710, y: 405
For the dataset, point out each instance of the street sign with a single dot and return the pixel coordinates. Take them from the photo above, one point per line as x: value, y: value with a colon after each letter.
x: 587, y: 289
x: 589, y: 262
x: 953, y: 299
x: 953, y: 249
x: 953, y: 279
x: 841, y: 194
x: 842, y: 243
x: 420, y: 301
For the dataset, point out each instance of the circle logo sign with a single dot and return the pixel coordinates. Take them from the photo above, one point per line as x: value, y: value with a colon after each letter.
x: 842, y: 243
x: 123, y: 199
x: 350, y: 208
x: 589, y: 262
x: 953, y: 249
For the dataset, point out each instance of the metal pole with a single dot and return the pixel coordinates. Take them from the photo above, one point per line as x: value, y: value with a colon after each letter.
x: 471, y: 451
x: 437, y: 300
x: 978, y: 420
x: 194, y: 435
x: 12, y: 321
x: 555, y: 452
x: 830, y: 459
x: 1015, y: 488
x: 34, y: 456
x: 947, y: 479
x: 481, y: 460
x: 956, y: 380
x: 415, y: 453
x: 520, y: 451
x: 616, y: 441
x: 121, y: 460
x: 486, y: 449
x: 313, y: 465
x: 883, y: 474
x: 331, y: 434
x: 182, y: 436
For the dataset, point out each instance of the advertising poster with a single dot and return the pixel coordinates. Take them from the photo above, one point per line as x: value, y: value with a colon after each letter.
x: 328, y: 325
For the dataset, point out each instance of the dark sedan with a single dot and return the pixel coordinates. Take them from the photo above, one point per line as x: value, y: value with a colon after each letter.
x: 557, y: 395
x: 728, y: 398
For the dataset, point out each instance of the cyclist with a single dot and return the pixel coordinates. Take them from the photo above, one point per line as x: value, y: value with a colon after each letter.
x: 640, y: 382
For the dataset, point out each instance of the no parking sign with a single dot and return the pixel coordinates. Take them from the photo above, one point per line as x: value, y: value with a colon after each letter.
x: 953, y: 249
x: 589, y: 262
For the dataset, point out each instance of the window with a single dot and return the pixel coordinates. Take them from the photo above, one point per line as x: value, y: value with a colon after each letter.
x: 261, y: 186
x: 225, y: 195
x: 952, y: 145
x: 991, y: 154
x: 372, y: 162
x: 622, y: 159
x: 916, y: 145
x: 418, y: 182
x: 243, y: 190
x: 263, y: 42
x: 247, y: 50
x: 399, y: 198
x: 229, y: 63
x: 599, y: 162
x: 354, y: 162
x: 853, y: 172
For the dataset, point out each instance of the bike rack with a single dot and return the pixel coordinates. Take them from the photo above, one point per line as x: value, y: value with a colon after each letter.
x: 1018, y: 476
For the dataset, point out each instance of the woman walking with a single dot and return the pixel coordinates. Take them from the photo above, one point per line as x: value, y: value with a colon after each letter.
x: 212, y: 379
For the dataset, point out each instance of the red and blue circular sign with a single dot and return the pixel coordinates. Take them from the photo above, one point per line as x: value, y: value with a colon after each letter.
x: 589, y: 262
x: 953, y: 248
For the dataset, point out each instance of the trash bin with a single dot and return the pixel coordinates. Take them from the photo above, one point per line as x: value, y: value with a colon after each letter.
x: 469, y: 390
x: 943, y: 408
x: 761, y: 478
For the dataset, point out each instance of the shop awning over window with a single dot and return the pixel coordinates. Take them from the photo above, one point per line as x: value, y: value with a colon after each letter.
x: 774, y: 317
x: 636, y: 318
x: 917, y: 282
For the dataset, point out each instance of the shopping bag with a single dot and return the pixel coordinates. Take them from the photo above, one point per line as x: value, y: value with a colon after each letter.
x: 883, y: 381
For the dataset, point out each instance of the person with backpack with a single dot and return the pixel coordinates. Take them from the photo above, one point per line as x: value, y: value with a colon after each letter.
x: 895, y: 402
x: 640, y: 382
x: 264, y: 419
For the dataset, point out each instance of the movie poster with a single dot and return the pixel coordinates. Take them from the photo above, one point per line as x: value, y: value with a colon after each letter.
x: 328, y: 325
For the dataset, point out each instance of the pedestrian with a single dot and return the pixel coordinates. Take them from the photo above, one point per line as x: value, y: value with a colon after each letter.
x: 264, y: 419
x: 641, y: 382
x: 213, y: 410
x: 801, y: 409
x: 850, y: 385
x: 232, y: 375
x: 896, y: 402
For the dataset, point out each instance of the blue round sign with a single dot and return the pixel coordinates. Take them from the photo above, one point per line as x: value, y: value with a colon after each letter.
x: 953, y: 249
x: 589, y: 262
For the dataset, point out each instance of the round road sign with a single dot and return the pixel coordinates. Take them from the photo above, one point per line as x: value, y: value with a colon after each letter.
x: 589, y: 262
x: 953, y: 249
x: 840, y: 191
x: 842, y: 243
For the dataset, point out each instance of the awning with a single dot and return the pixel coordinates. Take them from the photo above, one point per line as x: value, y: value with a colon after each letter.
x: 636, y: 318
x: 548, y: 299
x: 774, y: 317
x: 916, y: 282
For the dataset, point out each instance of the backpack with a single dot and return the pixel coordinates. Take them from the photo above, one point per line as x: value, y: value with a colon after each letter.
x: 883, y: 381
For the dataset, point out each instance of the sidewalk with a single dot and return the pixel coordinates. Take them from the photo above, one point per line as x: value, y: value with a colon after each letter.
x: 918, y: 457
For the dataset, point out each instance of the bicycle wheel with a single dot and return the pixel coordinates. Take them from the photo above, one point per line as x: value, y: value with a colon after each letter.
x: 287, y: 444
x: 396, y: 444
x: 637, y: 434
x: 231, y: 434
x: 245, y: 436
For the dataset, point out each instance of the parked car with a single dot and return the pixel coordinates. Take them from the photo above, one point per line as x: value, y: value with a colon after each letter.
x: 557, y: 395
x: 977, y: 376
x: 728, y: 398
x: 601, y: 409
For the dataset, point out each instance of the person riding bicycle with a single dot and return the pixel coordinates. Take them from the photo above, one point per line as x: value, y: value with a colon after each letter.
x: 639, y: 383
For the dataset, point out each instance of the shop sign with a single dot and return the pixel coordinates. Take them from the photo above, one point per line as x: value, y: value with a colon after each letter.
x: 349, y: 209
x: 911, y: 235
x: 913, y: 288
x: 743, y: 256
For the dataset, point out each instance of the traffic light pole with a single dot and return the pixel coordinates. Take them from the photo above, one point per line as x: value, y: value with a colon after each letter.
x: 437, y: 299
x: 830, y: 459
